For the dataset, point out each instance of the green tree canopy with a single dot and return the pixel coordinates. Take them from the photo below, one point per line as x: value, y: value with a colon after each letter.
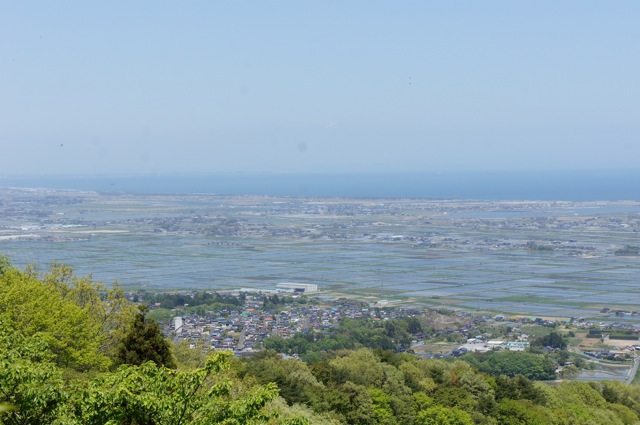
x: 73, y: 332
x: 31, y: 386
x: 144, y: 342
x: 151, y: 394
x: 513, y: 363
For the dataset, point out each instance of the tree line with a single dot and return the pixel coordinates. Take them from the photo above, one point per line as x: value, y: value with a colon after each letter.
x: 73, y: 351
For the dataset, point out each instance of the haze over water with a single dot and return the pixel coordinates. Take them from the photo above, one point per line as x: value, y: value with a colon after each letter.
x: 549, y: 185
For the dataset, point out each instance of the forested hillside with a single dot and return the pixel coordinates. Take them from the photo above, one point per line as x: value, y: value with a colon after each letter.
x: 73, y: 351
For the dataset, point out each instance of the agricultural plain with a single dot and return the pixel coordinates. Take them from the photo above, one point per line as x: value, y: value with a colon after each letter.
x: 533, y: 258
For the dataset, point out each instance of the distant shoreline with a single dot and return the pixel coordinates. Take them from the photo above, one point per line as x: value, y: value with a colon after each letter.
x: 488, y: 186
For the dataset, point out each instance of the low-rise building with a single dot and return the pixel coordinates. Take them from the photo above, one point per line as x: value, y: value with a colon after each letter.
x: 298, y: 287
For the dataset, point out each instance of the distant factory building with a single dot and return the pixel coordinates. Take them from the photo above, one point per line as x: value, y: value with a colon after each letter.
x: 297, y: 287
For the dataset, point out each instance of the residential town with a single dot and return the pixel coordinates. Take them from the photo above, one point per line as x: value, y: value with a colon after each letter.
x: 243, y: 328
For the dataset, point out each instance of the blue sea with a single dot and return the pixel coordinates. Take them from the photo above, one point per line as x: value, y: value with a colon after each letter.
x: 525, y: 185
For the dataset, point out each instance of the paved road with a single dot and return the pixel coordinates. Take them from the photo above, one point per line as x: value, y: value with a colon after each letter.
x: 634, y: 369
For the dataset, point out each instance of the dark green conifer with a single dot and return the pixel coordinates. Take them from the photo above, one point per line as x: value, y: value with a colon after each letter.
x: 144, y: 342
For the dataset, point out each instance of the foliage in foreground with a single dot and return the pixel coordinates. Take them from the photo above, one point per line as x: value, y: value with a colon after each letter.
x: 146, y: 394
x: 80, y: 320
x: 381, y: 387
x: 60, y: 337
x: 149, y: 394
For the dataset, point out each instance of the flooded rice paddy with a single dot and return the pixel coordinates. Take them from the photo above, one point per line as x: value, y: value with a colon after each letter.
x: 462, y: 254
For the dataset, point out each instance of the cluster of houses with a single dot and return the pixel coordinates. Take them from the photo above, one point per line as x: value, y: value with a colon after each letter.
x: 243, y: 330
x: 616, y: 355
x: 619, y: 313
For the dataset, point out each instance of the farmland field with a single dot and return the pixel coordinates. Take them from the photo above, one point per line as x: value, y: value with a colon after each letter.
x: 551, y: 259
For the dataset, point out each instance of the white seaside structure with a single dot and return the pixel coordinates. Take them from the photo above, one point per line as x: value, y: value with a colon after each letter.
x: 297, y: 287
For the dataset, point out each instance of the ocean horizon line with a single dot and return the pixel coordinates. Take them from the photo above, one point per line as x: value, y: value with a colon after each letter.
x: 556, y: 185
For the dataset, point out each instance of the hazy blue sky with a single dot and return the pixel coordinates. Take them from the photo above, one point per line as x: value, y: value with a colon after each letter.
x: 320, y: 86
